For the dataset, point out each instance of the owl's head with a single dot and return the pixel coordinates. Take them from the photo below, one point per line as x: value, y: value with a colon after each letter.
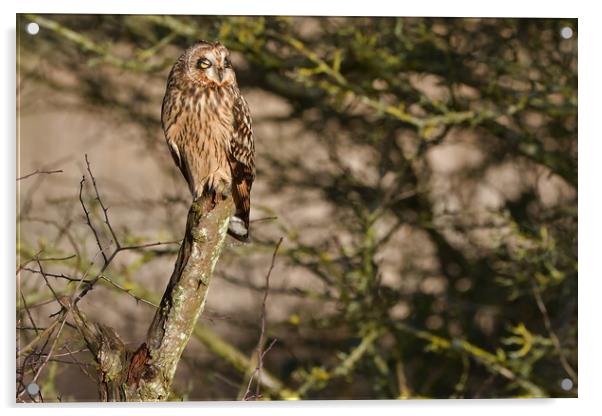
x: 209, y: 64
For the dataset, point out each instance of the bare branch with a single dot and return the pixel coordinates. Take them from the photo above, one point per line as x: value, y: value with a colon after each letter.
x: 39, y: 172
x: 260, y: 352
x: 555, y: 340
x: 88, y: 221
x: 127, y: 291
x: 148, y: 245
x: 37, y: 339
x: 62, y: 319
x: 102, y: 205
x: 33, y: 324
x: 48, y: 283
x: 57, y: 276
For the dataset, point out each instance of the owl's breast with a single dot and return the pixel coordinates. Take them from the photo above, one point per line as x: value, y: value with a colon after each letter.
x: 215, y: 119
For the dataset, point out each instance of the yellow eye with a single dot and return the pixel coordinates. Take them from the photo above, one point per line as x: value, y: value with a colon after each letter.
x: 203, y: 63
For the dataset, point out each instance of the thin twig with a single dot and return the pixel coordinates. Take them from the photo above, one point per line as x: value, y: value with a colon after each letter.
x: 37, y: 339
x: 88, y: 221
x: 52, y: 348
x: 48, y: 283
x: 38, y: 172
x: 29, y: 328
x: 22, y: 265
x: 264, y: 219
x: 90, y: 283
x: 147, y: 245
x: 294, y: 291
x: 127, y: 291
x: 56, y: 258
x: 118, y: 247
x: 256, y: 372
x: 76, y: 361
x: 260, y: 352
x: 102, y: 205
x: 264, y: 319
x: 555, y: 340
x: 28, y: 312
x: 56, y: 276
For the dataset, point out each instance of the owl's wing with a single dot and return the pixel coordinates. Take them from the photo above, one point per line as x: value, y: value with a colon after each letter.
x: 242, y: 145
x: 242, y: 164
x: 170, y: 113
x: 175, y: 153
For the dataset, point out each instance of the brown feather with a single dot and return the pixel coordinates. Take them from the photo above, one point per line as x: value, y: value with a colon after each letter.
x: 242, y: 181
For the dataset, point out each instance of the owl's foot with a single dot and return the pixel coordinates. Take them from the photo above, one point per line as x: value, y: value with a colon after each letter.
x: 221, y: 189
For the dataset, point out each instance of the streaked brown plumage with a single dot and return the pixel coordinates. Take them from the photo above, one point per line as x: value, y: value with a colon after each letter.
x: 207, y: 125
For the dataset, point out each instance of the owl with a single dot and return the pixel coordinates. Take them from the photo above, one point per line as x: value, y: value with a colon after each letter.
x: 207, y: 126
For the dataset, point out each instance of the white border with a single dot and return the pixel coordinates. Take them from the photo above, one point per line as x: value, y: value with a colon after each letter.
x: 590, y: 208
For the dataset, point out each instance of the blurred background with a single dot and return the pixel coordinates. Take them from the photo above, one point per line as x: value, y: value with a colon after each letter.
x: 422, y: 173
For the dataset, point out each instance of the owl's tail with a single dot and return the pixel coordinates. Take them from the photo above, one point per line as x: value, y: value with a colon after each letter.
x: 239, y: 229
x: 239, y: 222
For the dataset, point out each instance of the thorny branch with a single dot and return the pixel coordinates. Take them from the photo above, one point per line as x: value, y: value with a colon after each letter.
x: 68, y: 303
x: 147, y: 373
x: 115, y: 240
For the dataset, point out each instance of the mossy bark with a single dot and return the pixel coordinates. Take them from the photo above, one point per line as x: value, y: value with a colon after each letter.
x: 147, y: 373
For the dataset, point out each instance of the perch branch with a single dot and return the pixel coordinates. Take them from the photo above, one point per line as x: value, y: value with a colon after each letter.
x: 147, y: 374
x: 183, y: 300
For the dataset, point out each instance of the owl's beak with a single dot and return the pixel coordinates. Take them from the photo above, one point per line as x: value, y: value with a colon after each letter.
x: 220, y: 74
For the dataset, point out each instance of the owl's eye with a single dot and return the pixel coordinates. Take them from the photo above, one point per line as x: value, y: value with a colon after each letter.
x: 204, y: 63
x: 227, y: 63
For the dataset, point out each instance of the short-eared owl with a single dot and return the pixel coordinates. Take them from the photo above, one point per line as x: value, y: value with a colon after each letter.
x: 208, y: 129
